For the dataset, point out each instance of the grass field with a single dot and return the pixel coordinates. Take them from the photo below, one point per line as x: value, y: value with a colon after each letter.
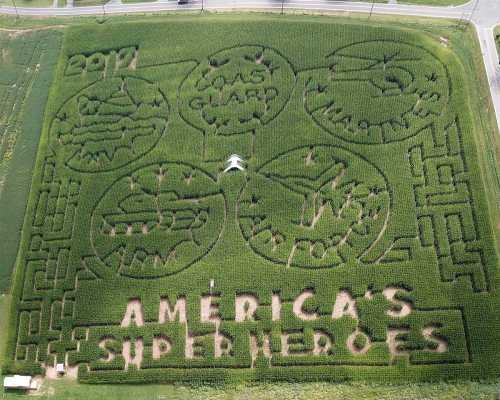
x: 137, y: 1
x: 28, y: 63
x: 27, y: 3
x: 441, y: 3
x: 115, y: 239
x: 88, y: 3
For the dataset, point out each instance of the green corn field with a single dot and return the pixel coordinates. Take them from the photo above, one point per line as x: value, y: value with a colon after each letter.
x: 357, y: 243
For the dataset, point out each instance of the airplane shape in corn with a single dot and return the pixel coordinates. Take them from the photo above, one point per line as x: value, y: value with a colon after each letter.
x: 234, y: 162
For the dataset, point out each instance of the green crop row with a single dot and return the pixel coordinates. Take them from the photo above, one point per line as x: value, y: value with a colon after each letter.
x: 26, y: 73
x: 355, y: 245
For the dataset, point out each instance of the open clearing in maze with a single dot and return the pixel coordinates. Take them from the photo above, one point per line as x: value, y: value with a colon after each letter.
x: 356, y: 245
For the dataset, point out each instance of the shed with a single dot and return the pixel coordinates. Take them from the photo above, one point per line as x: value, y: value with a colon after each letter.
x: 20, y: 382
x: 60, y: 368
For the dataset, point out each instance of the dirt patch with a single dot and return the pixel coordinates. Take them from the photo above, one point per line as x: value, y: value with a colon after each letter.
x: 133, y: 356
x: 404, y: 308
x: 50, y: 371
x: 209, y: 310
x: 133, y: 314
x: 394, y: 343
x: 356, y: 346
x: 71, y: 371
x: 338, y: 178
x: 441, y: 344
x: 190, y: 345
x: 285, y: 346
x: 255, y: 348
x: 223, y: 345
x: 309, y: 158
x: 133, y: 64
x: 161, y: 346
x: 322, y: 344
x: 275, y: 307
x: 169, y: 313
x: 245, y: 307
x: 42, y: 389
x: 299, y: 302
x: 290, y: 257
x: 129, y: 230
x: 344, y: 305
x: 317, y: 213
x: 189, y: 178
x: 102, y: 345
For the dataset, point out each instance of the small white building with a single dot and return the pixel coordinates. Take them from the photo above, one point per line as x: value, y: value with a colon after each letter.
x: 19, y: 382
x: 60, y: 369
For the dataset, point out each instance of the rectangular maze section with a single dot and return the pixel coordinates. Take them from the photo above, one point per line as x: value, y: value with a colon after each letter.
x: 353, y: 243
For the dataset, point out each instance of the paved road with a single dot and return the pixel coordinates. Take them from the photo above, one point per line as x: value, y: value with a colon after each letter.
x: 485, y: 14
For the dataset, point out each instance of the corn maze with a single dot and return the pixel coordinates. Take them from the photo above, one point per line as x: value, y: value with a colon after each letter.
x: 357, y: 244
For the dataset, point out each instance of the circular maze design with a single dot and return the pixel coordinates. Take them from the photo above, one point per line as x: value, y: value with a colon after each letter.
x: 110, y: 123
x: 236, y: 90
x: 377, y: 92
x: 337, y: 206
x: 158, y: 220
